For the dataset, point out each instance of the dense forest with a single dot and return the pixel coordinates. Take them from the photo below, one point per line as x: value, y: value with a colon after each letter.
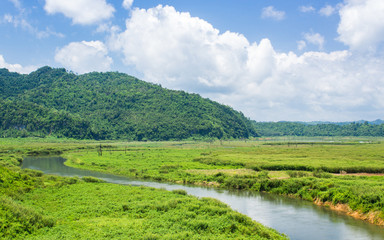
x: 360, y: 128
x: 109, y: 105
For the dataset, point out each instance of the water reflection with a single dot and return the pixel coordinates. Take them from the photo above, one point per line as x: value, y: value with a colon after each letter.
x: 300, y: 220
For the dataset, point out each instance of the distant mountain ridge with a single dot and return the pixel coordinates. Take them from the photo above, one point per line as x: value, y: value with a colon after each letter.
x: 313, y: 129
x: 375, y: 122
x: 109, y: 105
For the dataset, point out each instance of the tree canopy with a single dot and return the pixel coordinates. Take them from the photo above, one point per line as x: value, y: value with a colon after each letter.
x: 109, y: 105
x: 320, y: 129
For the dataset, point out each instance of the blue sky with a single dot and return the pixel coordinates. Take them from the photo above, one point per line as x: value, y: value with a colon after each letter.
x: 273, y: 60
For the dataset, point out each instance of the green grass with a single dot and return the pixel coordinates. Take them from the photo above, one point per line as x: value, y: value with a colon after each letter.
x: 38, y: 206
x: 108, y: 211
x: 298, y: 169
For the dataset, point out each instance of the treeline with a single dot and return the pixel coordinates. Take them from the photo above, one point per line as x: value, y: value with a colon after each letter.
x: 313, y: 130
x: 109, y: 106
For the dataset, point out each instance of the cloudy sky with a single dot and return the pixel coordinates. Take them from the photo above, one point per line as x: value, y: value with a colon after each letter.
x: 273, y: 60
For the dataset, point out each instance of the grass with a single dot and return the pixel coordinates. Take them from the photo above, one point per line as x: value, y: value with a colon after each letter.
x: 38, y: 206
x: 100, y: 211
x: 299, y: 169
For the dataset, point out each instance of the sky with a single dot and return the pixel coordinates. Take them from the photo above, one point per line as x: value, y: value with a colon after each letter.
x: 273, y: 60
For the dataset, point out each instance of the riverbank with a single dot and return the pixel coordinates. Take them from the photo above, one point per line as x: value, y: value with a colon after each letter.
x: 287, y: 215
x: 371, y: 217
x: 298, y: 171
x: 256, y: 166
x: 34, y: 205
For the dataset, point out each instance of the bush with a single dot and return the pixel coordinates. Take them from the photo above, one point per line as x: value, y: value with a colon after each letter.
x: 20, y: 219
x: 180, y: 191
x: 92, y: 179
x: 321, y: 174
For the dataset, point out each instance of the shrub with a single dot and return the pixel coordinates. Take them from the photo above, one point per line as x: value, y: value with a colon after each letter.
x: 321, y: 174
x: 92, y: 179
x: 20, y: 219
x: 180, y: 191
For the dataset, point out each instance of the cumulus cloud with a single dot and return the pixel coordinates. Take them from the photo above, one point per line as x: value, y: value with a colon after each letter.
x: 361, y: 24
x: 327, y: 11
x: 127, y: 4
x: 315, y: 39
x: 83, y: 57
x: 15, y: 67
x: 83, y: 12
x: 271, y: 12
x: 184, y: 52
x: 179, y: 49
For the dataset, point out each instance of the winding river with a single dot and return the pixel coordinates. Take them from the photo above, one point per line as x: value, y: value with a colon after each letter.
x: 299, y: 220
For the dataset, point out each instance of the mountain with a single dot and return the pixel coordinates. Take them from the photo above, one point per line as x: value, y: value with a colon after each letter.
x: 109, y: 105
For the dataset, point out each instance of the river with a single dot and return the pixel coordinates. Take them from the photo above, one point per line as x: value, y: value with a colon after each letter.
x: 299, y: 220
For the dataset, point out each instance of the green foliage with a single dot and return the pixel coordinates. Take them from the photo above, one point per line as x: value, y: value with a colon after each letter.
x: 109, y: 106
x: 297, y: 174
x: 38, y: 206
x: 17, y: 220
x: 324, y: 129
x: 100, y: 211
x: 14, y: 183
x: 307, y: 168
x: 92, y: 179
x: 25, y: 119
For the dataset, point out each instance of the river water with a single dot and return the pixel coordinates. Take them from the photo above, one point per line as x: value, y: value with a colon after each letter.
x: 299, y: 220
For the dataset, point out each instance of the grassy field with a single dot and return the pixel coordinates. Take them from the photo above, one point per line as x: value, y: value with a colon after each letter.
x: 307, y: 170
x: 38, y: 206
x: 298, y: 168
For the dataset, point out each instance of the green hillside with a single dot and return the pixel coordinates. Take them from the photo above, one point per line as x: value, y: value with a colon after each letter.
x: 109, y: 106
x: 320, y: 129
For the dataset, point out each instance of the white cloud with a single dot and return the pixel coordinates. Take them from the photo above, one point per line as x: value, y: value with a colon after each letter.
x: 15, y: 67
x: 179, y: 51
x: 127, y: 4
x: 174, y: 47
x: 361, y: 24
x: 301, y: 45
x: 306, y: 9
x: 327, y: 11
x: 81, y: 11
x: 22, y: 22
x: 315, y: 39
x: 271, y: 12
x: 83, y: 57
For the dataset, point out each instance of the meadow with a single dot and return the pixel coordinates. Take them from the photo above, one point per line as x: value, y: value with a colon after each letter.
x: 347, y: 171
x: 38, y: 206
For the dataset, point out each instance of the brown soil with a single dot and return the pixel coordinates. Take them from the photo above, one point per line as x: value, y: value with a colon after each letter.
x: 371, y: 217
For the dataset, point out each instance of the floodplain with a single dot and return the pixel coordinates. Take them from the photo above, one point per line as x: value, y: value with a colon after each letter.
x: 345, y: 174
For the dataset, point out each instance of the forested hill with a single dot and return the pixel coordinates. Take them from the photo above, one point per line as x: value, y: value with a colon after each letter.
x: 359, y: 128
x: 109, y: 106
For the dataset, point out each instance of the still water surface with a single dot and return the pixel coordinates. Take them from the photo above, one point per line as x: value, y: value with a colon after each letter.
x: 299, y: 220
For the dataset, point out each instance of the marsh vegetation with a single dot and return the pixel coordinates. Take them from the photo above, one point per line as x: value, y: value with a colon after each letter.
x: 309, y: 171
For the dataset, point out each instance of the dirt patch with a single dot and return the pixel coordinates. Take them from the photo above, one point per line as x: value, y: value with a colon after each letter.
x: 371, y: 217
